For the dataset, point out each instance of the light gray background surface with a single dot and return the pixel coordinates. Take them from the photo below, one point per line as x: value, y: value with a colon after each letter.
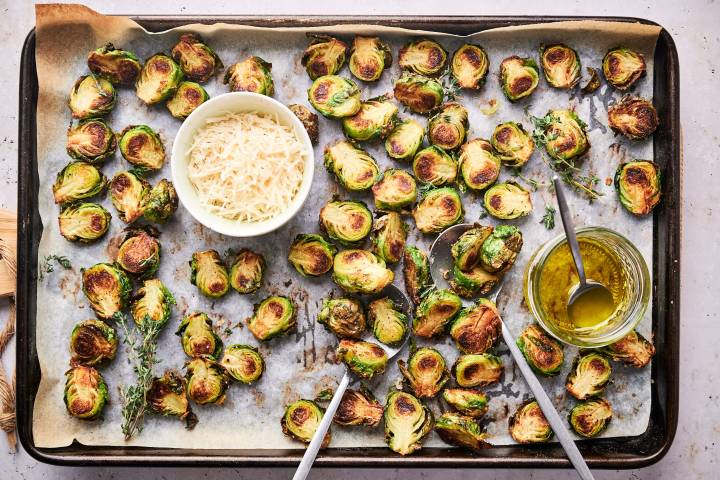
x: 693, y: 24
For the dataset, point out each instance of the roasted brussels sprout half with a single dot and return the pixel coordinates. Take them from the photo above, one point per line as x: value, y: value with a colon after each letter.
x: 466, y: 250
x: 507, y: 201
x: 324, y: 56
x: 358, y: 407
x: 420, y: 94
x: 501, y: 248
x: 461, y: 431
x: 167, y: 396
x: 634, y: 117
x: 633, y: 349
x: 439, y: 209
x: 91, y: 140
x: 529, y: 425
x: 623, y: 67
x: 250, y: 75
x: 469, y: 66
x: 85, y: 392
x: 115, y: 64
x: 476, y: 329
x: 407, y: 422
x: 639, y: 187
x: 151, y: 304
x: 84, y: 222
x: 301, y: 419
x: 416, y: 272
x: 208, y: 274
x: 207, y: 381
x: 388, y: 322
x: 142, y: 147
x: 360, y: 271
x: 425, y: 372
x: 405, y: 139
x: 369, y: 56
x: 347, y: 222
x: 375, y: 119
x: 107, y: 289
x: 543, y: 353
x: 243, y: 363
x: 512, y: 143
x: 479, y: 166
x: 198, y: 337
x: 477, y: 370
x: 272, y: 317
x: 139, y: 252
x: 434, y: 313
x: 159, y: 78
x: 160, y: 203
x: 389, y: 235
x: 394, y: 190
x: 92, y: 342
x: 343, y: 316
x: 469, y: 402
x: 308, y: 119
x: 434, y: 166
x: 334, y: 96
x: 354, y: 168
x: 365, y: 359
x: 78, y: 180
x: 566, y: 135
x: 197, y: 61
x: 187, y: 97
x: 91, y: 96
x: 588, y: 376
x: 246, y: 271
x: 476, y: 281
x: 590, y: 418
x: 519, y: 77
x: 447, y: 128
x: 311, y: 254
x: 128, y: 192
x: 423, y: 56
x: 561, y: 65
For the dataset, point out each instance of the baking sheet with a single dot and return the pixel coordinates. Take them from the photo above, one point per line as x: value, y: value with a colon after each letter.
x: 302, y: 364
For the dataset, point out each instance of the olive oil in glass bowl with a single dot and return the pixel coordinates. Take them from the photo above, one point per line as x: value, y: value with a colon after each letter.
x: 610, y: 259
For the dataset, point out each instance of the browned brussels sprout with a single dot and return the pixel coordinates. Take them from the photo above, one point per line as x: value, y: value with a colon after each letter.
x: 208, y: 274
x: 590, y: 418
x: 308, y: 119
x: 439, y: 209
x: 588, y: 376
x: 407, y: 422
x: 128, y: 192
x: 462, y: 431
x: 354, y: 168
x: 167, y: 396
x: 425, y: 372
x: 334, y: 96
x: 369, y: 56
x: 466, y: 250
x: 139, y: 252
x: 160, y: 203
x: 142, y: 147
x: 347, y: 222
x: 311, y: 254
x: 159, y: 78
x: 91, y: 96
x: 92, y: 342
x: 207, y: 381
x: 358, y: 407
x: 476, y: 281
x: 477, y: 370
x: 634, y: 117
x: 405, y: 139
x: 301, y: 419
x: 107, y: 289
x: 529, y: 425
x: 420, y: 94
x: 250, y: 75
x: 469, y: 402
x: 85, y: 393
x: 197, y: 61
x: 360, y: 271
x: 198, y: 337
x: 639, y: 187
x: 423, y: 56
x: 365, y: 359
x: 375, y: 119
x: 84, y: 222
x: 416, y: 272
x: 246, y: 271
x: 519, y: 77
x: 507, y: 201
x: 501, y: 248
x: 91, y: 140
x: 476, y: 329
x: 77, y: 181
x: 633, y: 349
x: 389, y: 235
x: 243, y: 363
x: 324, y: 56
x: 623, y: 67
x: 187, y: 97
x: 447, y: 128
x: 272, y: 317
x: 543, y: 353
x: 479, y: 166
x: 394, y: 190
x: 151, y: 304
x: 387, y: 321
x: 343, y: 316
x: 561, y: 65
x: 593, y: 82
x: 115, y: 64
x: 469, y: 66
x: 434, y: 166
x: 566, y: 136
x: 434, y: 313
x: 512, y: 143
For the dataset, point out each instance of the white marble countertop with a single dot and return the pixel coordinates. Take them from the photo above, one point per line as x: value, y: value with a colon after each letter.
x: 693, y: 24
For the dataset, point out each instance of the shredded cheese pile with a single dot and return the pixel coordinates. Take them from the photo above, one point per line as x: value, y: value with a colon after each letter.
x: 246, y: 166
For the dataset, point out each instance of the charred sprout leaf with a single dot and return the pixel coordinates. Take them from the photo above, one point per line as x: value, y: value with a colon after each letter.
x: 590, y: 418
x: 311, y: 254
x: 85, y: 392
x: 92, y: 342
x: 107, y: 289
x: 246, y: 271
x: 142, y: 147
x: 365, y: 359
x: 548, y: 219
x: 543, y: 353
x: 588, y: 376
x: 160, y: 203
x: 128, y: 192
x: 308, y: 119
x: 405, y: 139
x: 507, y: 201
x: 159, y: 78
x: 91, y: 96
x: 423, y: 56
x: 466, y: 250
x: 325, y: 395
x: 207, y: 381
x: 561, y: 65
x: 469, y: 66
x: 435, y: 312
x: 187, y: 97
x: 469, y: 402
x: 479, y: 166
x: 501, y: 248
x: 198, y: 337
x: 84, y: 222
x: 152, y: 303
x: 394, y: 190
x: 115, y: 64
x: 639, y: 187
x: 432, y: 165
x: 634, y: 117
x: 301, y: 419
x: 354, y: 168
x: 512, y: 144
x: 491, y: 108
x: 420, y: 94
x: 272, y: 317
x: 529, y: 425
x: 360, y: 271
x: 593, y: 82
x: 476, y: 281
x: 623, y: 67
x: 347, y: 222
x: 91, y: 140
x: 324, y: 56
x: 334, y: 96
x: 197, y: 61
x: 476, y: 329
x: 447, y: 128
x: 358, y: 407
x: 139, y: 252
x: 167, y: 396
x: 77, y: 181
x: 243, y: 363
x: 461, y: 431
x: 389, y: 235
x: 209, y: 274
x: 439, y: 209
x: 375, y: 119
x: 407, y: 422
x: 251, y: 75
x: 387, y: 321
x: 633, y: 349
x: 519, y: 77
x: 477, y: 370
x: 369, y: 56
x: 343, y: 316
x: 425, y: 372
x: 416, y: 272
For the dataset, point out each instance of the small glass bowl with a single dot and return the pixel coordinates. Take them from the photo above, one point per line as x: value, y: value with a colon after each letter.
x: 636, y: 291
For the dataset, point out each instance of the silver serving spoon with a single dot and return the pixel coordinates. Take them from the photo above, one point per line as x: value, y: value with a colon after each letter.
x: 401, y: 301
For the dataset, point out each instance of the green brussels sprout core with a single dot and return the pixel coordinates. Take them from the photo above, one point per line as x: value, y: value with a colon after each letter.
x: 142, y: 147
x: 447, y: 128
x: 477, y: 328
x: 364, y: 359
x: 465, y: 251
x: 476, y: 281
x: 354, y: 168
x: 519, y: 77
x: 311, y: 254
x: 85, y: 392
x: 209, y: 274
x: 272, y: 317
x: 334, y: 96
x: 529, y: 425
x: 159, y: 78
x: 91, y: 140
x: 543, y: 353
x: 246, y: 271
x: 139, y: 253
x: 479, y: 166
x: 633, y: 349
x: 187, y: 97
x: 435, y: 311
x: 301, y: 419
x: 420, y: 94
x: 78, y: 180
x: 407, y: 422
x: 394, y: 190
x: 639, y: 187
x: 167, y: 396
x: 389, y: 235
x: 251, y: 75
x: 501, y: 248
x: 207, y: 381
x: 389, y: 324
x: 151, y: 304
x: 197, y: 61
x: 507, y: 201
x: 128, y: 192
x: 84, y: 222
x: 566, y: 135
x: 477, y: 370
x: 347, y: 222
x: 462, y: 431
x: 92, y: 342
x: 590, y: 418
x: 358, y: 407
x: 343, y: 316
x: 114, y: 64
x: 469, y: 402
x: 368, y: 58
x: 375, y: 119
x: 425, y: 372
x: 107, y: 289
x: 634, y: 117
x: 623, y: 67
x: 416, y: 272
x: 588, y: 376
x: 360, y: 271
x: 513, y: 145
x: 434, y: 166
x: 439, y: 209
x: 469, y: 66
x: 561, y: 65
x: 324, y: 56
x: 424, y: 57
x: 243, y: 363
x: 160, y: 203
x: 404, y: 140
x: 308, y: 119
x: 91, y: 96
x: 198, y: 337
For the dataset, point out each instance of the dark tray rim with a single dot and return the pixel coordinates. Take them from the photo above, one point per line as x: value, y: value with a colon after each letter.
x: 613, y: 453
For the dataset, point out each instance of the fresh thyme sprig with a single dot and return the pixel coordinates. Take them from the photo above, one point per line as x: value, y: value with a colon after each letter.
x: 47, y: 265
x: 548, y: 220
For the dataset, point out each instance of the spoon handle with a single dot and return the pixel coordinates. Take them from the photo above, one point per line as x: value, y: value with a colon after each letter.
x: 314, y: 447
x: 569, y: 229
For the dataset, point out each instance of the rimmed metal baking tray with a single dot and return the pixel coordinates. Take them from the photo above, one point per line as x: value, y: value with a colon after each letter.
x: 610, y: 453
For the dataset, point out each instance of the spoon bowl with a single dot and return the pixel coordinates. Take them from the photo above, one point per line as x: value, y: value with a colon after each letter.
x: 400, y: 301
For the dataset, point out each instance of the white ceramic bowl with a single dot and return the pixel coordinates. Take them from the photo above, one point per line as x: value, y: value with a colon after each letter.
x: 216, y: 106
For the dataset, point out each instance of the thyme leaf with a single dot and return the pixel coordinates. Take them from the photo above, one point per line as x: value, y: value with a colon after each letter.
x: 548, y: 220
